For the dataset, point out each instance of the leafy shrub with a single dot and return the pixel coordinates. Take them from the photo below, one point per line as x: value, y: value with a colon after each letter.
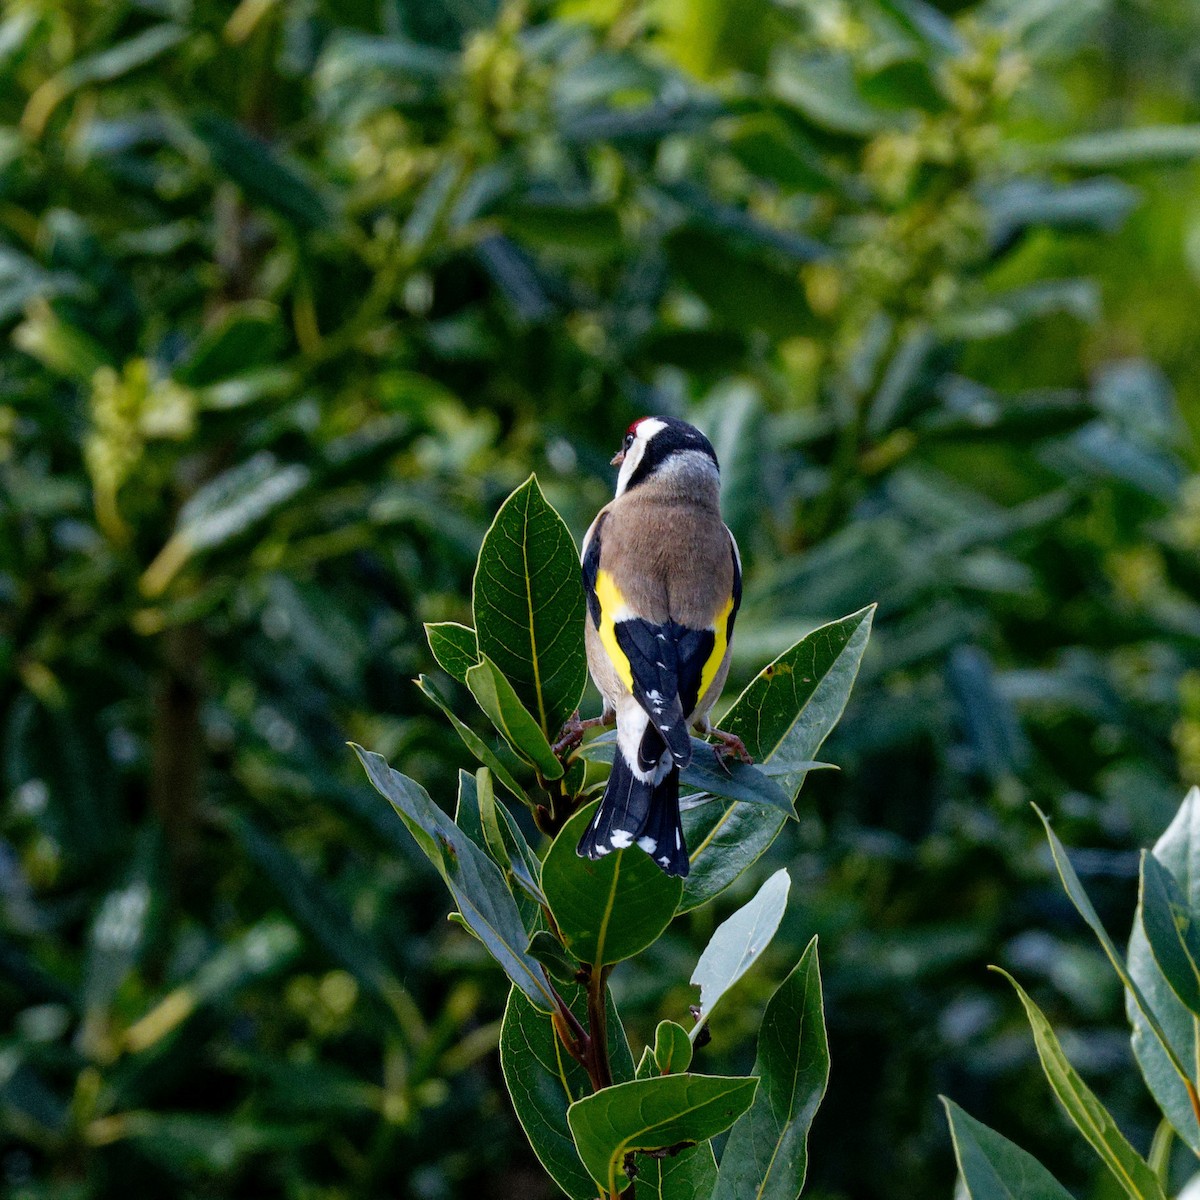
x: 558, y: 923
x: 1159, y: 976
x: 296, y: 293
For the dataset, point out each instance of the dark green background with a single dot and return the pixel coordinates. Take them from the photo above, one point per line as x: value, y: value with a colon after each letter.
x: 295, y: 292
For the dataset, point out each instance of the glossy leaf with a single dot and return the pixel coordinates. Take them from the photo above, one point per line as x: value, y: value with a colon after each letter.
x: 453, y: 647
x: 1171, y: 930
x: 1117, y: 148
x: 495, y: 695
x: 993, y: 1168
x: 263, y: 172
x: 609, y: 909
x: 528, y: 605
x: 473, y: 742
x: 475, y: 882
x: 689, y: 1175
x: 244, y: 337
x: 766, y: 1155
x: 652, y: 1114
x: 737, y: 943
x: 1084, y: 907
x: 783, y: 716
x: 544, y: 1080
x: 1091, y: 1118
x: 548, y: 950
x: 1179, y: 851
x: 672, y: 1048
x: 709, y: 777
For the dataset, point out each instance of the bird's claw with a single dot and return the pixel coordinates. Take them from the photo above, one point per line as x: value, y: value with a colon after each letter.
x: 571, y: 734
x: 729, y: 746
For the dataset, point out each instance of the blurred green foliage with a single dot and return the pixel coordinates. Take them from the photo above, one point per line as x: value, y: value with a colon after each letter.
x: 296, y: 292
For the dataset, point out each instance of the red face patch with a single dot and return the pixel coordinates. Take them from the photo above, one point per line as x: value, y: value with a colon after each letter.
x: 632, y: 430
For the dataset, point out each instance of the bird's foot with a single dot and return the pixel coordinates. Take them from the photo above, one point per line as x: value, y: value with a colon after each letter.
x: 571, y: 734
x: 730, y: 746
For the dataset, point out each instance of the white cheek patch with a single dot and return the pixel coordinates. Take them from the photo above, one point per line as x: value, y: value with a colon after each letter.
x: 633, y: 456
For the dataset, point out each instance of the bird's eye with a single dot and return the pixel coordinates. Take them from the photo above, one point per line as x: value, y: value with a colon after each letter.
x: 628, y: 440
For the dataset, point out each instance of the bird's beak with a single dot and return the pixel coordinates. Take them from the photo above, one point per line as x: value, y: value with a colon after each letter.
x: 618, y: 458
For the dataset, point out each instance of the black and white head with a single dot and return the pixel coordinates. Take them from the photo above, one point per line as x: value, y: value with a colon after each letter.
x: 665, y: 447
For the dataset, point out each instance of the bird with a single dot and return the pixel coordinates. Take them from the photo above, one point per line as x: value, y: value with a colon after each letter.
x: 663, y: 582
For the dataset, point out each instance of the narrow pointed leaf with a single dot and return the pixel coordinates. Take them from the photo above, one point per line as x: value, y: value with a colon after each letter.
x: 1171, y: 930
x: 495, y: 695
x: 548, y: 950
x: 727, y: 779
x: 786, y: 712
x: 1091, y: 1118
x: 473, y: 742
x: 652, y: 1114
x: 767, y: 1153
x: 610, y: 909
x: 475, y: 882
x: 737, y: 942
x: 992, y: 1167
x: 1087, y: 911
x: 1179, y: 852
x: 453, y: 647
x: 544, y: 1080
x: 528, y: 605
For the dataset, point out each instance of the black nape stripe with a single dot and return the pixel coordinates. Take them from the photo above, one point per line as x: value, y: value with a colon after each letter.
x: 676, y: 438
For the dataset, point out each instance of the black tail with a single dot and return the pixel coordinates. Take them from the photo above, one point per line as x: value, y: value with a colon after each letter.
x: 631, y: 811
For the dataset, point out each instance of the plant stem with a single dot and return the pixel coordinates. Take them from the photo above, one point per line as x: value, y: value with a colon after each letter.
x: 1194, y: 1098
x: 597, y: 1011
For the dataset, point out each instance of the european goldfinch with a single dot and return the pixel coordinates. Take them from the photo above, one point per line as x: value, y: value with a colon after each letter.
x: 663, y: 580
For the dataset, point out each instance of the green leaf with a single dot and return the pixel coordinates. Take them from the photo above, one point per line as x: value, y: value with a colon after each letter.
x: 767, y: 1152
x: 992, y: 1167
x: 263, y: 173
x: 500, y: 702
x: 652, y: 1114
x: 744, y: 289
x: 263, y: 949
x: 466, y: 812
x: 689, y: 1175
x: 610, y: 909
x: 246, y: 336
x: 548, y: 950
x: 783, y: 716
x: 729, y: 780
x: 1179, y: 852
x: 102, y: 67
x: 529, y: 607
x: 475, y: 882
x: 543, y: 1081
x: 316, y: 908
x: 475, y: 743
x: 737, y: 942
x: 1145, y: 145
x: 823, y: 88
x: 453, y: 647
x: 1171, y: 930
x: 672, y: 1048
x: 1091, y: 1118
x: 1083, y: 906
x: 225, y: 508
